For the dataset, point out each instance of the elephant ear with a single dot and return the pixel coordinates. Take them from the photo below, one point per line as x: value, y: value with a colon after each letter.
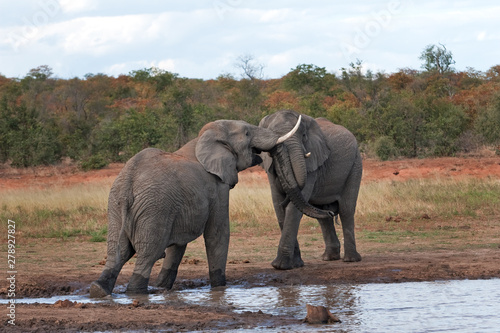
x: 216, y: 155
x: 315, y: 143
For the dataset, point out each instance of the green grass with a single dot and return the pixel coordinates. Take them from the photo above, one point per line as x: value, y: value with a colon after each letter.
x: 99, y: 235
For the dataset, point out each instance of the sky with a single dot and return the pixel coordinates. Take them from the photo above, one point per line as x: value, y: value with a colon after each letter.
x: 204, y: 39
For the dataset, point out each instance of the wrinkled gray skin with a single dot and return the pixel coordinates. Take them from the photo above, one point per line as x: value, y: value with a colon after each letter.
x: 321, y: 185
x: 161, y: 201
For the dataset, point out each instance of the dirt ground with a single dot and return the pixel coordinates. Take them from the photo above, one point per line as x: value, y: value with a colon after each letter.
x: 68, y: 266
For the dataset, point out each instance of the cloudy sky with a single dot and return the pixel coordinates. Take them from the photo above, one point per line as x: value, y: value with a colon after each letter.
x: 204, y: 38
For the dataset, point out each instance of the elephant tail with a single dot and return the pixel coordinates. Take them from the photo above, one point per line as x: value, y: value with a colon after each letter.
x: 127, y: 222
x: 125, y: 235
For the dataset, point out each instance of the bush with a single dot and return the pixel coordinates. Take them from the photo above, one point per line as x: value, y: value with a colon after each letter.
x: 94, y: 162
x: 384, y: 148
x: 488, y: 122
x: 29, y: 141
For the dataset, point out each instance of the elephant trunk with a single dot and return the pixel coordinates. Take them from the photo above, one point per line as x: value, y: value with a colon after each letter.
x: 287, y: 179
x: 297, y: 161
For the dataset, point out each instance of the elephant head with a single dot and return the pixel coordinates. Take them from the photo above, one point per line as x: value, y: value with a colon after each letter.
x: 304, y: 152
x: 225, y: 147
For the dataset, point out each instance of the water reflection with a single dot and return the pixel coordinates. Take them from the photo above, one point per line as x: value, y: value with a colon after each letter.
x: 450, y: 306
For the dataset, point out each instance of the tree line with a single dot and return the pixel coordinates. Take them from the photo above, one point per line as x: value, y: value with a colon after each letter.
x: 98, y: 119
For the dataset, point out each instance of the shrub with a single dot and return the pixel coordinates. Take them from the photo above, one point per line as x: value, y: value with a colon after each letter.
x: 384, y: 148
x: 488, y: 122
x: 94, y: 162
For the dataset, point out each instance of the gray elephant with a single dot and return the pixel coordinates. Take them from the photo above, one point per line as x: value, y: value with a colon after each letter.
x: 161, y: 201
x: 316, y: 172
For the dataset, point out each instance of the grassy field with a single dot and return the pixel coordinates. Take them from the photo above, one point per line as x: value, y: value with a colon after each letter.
x: 387, y: 212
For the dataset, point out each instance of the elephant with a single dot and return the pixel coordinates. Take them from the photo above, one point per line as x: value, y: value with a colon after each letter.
x: 161, y: 201
x: 316, y: 172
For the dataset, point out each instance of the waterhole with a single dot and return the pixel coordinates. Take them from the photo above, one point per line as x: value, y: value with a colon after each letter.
x: 444, y: 306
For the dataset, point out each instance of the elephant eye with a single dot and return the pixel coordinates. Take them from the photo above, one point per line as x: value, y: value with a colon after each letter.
x: 247, y: 133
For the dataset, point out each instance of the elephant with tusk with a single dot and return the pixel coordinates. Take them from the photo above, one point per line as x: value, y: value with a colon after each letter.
x: 161, y: 201
x: 316, y: 172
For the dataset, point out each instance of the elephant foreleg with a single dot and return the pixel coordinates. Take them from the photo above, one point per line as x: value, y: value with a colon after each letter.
x: 332, y: 243
x: 217, y: 256
x: 288, y: 256
x: 168, y: 273
x: 217, y: 245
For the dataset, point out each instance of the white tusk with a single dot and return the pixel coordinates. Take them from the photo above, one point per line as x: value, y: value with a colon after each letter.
x: 289, y: 134
x: 307, y: 155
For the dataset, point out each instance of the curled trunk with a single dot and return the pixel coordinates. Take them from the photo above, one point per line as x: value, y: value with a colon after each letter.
x: 297, y: 161
x: 291, y: 187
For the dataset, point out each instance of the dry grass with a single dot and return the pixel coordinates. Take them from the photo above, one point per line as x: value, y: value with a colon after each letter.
x: 439, y: 198
x: 393, y: 208
x: 251, y: 209
x: 57, y: 211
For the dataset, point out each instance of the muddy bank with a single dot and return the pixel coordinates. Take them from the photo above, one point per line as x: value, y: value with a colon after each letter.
x: 179, y: 316
x: 48, y: 267
x: 374, y: 268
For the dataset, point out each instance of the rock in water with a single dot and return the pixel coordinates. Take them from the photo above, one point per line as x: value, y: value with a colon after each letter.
x: 320, y: 315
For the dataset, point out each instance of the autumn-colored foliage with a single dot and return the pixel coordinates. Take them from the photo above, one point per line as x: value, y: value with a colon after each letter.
x: 99, y: 119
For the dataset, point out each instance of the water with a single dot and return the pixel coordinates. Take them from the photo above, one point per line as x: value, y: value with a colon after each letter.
x: 447, y: 306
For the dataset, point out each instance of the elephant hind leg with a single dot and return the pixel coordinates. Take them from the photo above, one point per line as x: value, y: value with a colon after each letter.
x: 118, y: 254
x: 168, y: 273
x: 347, y: 210
x: 350, y: 252
x: 147, y: 254
x: 332, y: 243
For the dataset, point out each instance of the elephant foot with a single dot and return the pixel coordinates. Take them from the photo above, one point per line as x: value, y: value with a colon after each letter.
x: 285, y: 263
x: 137, y: 285
x: 352, y: 257
x: 297, y: 262
x: 217, y: 278
x: 331, y: 255
x: 166, y: 278
x: 98, y: 291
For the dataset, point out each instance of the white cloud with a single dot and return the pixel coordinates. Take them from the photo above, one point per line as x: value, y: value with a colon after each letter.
x: 76, y: 6
x: 276, y: 15
x: 191, y: 39
x: 167, y: 64
x: 99, y: 35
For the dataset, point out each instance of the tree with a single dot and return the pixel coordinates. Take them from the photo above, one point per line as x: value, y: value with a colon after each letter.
x: 251, y: 69
x: 29, y: 142
x: 306, y: 77
x: 159, y: 78
x: 437, y: 58
x: 178, y: 105
x: 488, y: 121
